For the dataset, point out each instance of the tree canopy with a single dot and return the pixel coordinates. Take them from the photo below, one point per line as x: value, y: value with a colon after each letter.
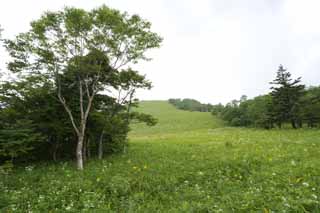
x: 288, y: 102
x: 81, y: 61
x: 190, y: 105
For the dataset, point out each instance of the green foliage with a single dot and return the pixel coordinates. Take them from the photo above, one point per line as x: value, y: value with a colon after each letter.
x: 70, y: 64
x: 18, y: 139
x: 311, y: 107
x: 252, y: 112
x: 217, y: 109
x: 142, y: 117
x: 180, y: 170
x: 258, y: 111
x: 286, y: 96
x: 288, y: 102
x: 190, y: 105
x: 27, y: 116
x: 58, y: 37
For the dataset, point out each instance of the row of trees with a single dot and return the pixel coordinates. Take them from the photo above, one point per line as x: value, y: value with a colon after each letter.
x: 288, y: 102
x: 71, y: 88
x: 190, y: 105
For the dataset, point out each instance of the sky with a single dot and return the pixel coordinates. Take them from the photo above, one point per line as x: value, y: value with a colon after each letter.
x: 213, y: 50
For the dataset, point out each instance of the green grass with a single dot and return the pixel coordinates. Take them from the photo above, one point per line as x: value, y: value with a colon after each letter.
x: 189, y: 162
x: 171, y: 120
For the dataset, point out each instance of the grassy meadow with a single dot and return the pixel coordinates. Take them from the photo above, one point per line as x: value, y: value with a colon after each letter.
x: 188, y: 162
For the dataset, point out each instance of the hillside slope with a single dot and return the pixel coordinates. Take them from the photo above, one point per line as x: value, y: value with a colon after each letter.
x: 172, y: 120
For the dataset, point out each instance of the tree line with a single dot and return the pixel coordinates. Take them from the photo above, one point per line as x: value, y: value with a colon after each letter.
x: 289, y: 102
x: 71, y: 88
x: 190, y: 105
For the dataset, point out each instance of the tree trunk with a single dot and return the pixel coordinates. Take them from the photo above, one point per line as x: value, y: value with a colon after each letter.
x: 79, y: 152
x: 293, y: 123
x: 84, y: 150
x: 54, y: 154
x: 83, y: 115
x: 88, y: 149
x: 55, y: 147
x: 100, y: 149
x: 271, y: 125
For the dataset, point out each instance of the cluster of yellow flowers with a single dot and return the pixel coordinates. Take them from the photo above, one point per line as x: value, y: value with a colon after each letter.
x: 139, y: 169
x: 136, y: 167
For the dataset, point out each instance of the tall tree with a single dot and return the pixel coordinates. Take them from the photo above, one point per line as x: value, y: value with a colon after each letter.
x: 286, y: 94
x: 75, y: 48
x: 311, y: 106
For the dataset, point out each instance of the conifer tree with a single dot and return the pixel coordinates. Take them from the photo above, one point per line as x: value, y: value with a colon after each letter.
x: 286, y: 94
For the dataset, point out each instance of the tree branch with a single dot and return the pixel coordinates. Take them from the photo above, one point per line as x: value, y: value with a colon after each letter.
x: 63, y: 101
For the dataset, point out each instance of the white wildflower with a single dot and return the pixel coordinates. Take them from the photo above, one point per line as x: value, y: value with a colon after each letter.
x: 29, y: 168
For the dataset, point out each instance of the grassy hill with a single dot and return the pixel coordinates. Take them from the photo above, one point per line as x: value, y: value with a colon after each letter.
x: 172, y: 120
x: 189, y: 162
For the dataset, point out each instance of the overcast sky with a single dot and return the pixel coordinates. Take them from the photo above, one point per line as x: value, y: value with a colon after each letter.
x: 213, y: 50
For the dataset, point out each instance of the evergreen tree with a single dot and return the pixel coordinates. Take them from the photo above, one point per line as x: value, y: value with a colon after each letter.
x: 286, y: 94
